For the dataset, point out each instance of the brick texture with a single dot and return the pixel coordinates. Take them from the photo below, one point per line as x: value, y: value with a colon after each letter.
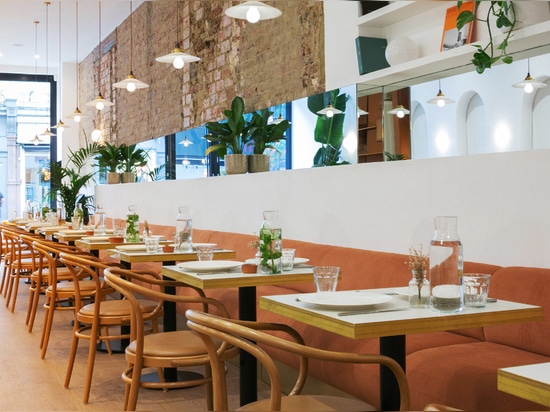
x: 267, y: 63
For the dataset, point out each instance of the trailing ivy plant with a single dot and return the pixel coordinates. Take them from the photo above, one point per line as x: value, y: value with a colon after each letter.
x: 503, y: 14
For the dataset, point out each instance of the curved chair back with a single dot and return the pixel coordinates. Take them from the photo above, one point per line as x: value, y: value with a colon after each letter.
x: 247, y: 336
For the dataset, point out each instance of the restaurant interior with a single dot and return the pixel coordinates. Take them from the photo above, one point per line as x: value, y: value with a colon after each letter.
x: 478, y: 158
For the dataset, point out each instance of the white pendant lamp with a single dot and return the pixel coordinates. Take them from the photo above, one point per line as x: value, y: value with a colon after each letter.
x: 60, y: 126
x: 329, y: 111
x: 361, y: 112
x: 186, y: 142
x: 130, y: 83
x: 253, y: 11
x: 99, y: 102
x: 399, y: 111
x: 440, y: 99
x: 77, y: 115
x: 529, y: 84
x: 177, y: 57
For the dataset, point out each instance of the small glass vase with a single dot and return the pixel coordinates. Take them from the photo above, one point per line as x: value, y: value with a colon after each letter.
x: 419, y: 290
x: 78, y: 217
x: 271, y: 244
x: 132, y: 225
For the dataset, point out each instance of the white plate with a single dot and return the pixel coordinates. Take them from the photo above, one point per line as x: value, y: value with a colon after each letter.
x: 209, y: 266
x: 297, y: 261
x: 96, y: 238
x: 342, y: 300
x: 73, y: 232
x: 131, y: 248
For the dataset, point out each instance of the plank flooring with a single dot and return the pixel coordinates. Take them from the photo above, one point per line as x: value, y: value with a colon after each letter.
x: 31, y: 384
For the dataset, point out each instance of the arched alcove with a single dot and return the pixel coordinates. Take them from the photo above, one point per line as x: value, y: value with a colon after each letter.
x: 471, y: 124
x: 419, y: 128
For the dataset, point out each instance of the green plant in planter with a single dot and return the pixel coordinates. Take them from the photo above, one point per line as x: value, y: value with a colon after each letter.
x: 329, y: 131
x: 231, y: 135
x: 109, y: 157
x: 263, y: 134
x: 131, y: 158
x: 66, y: 182
x: 504, y: 16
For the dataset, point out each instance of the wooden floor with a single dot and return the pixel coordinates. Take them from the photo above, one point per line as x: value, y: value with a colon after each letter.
x: 29, y: 383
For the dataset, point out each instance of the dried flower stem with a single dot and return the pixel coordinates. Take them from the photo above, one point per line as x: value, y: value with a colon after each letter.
x: 418, y: 264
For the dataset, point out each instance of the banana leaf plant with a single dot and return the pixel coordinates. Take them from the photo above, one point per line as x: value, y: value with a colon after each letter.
x: 231, y: 135
x: 329, y: 131
x: 263, y: 133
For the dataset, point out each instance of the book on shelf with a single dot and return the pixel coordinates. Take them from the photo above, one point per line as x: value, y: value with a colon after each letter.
x: 452, y: 37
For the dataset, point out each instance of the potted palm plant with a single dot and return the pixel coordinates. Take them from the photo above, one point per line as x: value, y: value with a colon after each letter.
x: 67, y: 182
x: 230, y: 137
x: 264, y: 134
x: 131, y: 158
x: 109, y: 158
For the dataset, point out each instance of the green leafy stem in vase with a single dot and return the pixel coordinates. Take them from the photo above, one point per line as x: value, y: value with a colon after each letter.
x: 268, y: 252
x: 132, y: 229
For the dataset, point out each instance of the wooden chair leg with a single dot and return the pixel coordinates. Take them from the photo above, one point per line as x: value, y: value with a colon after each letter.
x: 72, y: 357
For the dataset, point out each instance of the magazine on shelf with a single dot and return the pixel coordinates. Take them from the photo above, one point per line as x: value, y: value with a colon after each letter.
x: 452, y: 37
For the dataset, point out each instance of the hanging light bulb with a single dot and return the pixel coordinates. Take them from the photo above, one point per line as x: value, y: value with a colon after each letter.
x: 253, y: 11
x: 529, y: 84
x: 399, y: 111
x: 440, y: 99
x: 177, y: 57
x: 96, y: 135
x: 186, y: 142
x: 131, y: 83
x: 329, y: 111
x: 99, y: 102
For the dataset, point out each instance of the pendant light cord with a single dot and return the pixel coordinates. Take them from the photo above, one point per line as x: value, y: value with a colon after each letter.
x: 131, y: 41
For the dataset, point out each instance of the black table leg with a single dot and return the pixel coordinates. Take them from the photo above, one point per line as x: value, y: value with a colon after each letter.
x: 170, y: 325
x: 394, y: 347
x: 248, y: 374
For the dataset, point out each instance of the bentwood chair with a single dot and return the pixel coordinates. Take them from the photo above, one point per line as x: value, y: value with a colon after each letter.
x: 175, y: 349
x: 107, y: 317
x: 58, y: 284
x: 20, y: 262
x: 246, y: 336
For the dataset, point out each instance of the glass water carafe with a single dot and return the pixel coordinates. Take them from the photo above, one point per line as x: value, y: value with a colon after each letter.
x: 271, y: 243
x: 184, y: 230
x: 100, y: 220
x: 132, y: 225
x: 446, y: 266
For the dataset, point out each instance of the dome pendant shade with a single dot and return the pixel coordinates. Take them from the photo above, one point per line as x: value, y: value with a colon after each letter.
x: 399, y: 111
x: 329, y: 111
x: 77, y: 116
x: 529, y: 84
x: 177, y: 58
x: 253, y: 11
x: 48, y: 133
x: 130, y: 83
x: 99, y: 103
x: 60, y: 126
x: 441, y: 100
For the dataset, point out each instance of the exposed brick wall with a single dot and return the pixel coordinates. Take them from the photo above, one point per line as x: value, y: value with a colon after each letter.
x: 267, y: 63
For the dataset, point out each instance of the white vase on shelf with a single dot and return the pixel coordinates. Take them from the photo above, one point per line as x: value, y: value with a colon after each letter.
x: 401, y: 50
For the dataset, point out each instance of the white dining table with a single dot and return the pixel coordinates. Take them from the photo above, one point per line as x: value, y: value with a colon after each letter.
x: 531, y: 382
x: 392, y: 321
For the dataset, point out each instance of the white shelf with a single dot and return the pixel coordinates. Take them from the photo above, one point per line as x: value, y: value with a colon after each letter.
x: 526, y: 42
x: 396, y: 12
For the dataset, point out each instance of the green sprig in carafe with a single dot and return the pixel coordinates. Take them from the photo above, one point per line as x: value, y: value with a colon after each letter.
x: 271, y: 243
x: 132, y: 225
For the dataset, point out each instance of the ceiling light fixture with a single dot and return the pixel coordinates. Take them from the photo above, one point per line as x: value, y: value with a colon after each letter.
x: 177, y: 57
x: 130, y: 83
x: 186, y: 142
x: 440, y: 99
x: 529, y: 84
x: 60, y: 126
x: 399, y: 111
x: 99, y: 102
x: 329, y: 111
x: 361, y: 112
x: 77, y: 115
x: 253, y: 11
x: 47, y: 3
x: 37, y: 140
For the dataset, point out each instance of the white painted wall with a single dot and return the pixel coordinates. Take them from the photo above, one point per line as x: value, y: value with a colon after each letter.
x: 501, y: 201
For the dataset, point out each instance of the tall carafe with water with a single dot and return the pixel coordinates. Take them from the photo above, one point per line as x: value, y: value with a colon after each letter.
x: 184, y: 230
x: 446, y: 266
x: 271, y: 243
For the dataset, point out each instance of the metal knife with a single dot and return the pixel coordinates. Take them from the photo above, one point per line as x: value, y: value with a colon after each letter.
x: 364, y: 312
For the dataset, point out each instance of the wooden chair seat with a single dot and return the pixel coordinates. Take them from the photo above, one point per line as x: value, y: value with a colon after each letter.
x: 320, y: 403
x: 114, y: 308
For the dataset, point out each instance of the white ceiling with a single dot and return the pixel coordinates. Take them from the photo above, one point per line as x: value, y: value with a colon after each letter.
x: 17, y: 30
